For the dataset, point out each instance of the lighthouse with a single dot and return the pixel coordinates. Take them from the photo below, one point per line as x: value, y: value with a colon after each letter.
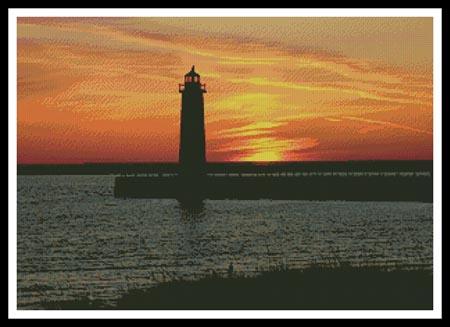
x: 192, y: 157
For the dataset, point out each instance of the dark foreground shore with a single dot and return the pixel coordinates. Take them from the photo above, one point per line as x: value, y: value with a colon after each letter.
x: 311, y: 289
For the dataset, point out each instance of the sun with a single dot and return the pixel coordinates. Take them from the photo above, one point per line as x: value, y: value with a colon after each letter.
x: 264, y: 156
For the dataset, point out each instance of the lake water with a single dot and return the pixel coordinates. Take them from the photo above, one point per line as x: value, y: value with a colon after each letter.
x: 75, y: 239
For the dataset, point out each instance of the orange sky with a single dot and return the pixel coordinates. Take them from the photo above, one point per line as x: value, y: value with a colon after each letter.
x: 106, y: 89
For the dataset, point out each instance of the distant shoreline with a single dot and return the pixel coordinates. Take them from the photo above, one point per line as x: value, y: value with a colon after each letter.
x: 228, y: 167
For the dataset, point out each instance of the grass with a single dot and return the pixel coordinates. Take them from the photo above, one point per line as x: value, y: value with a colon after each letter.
x: 315, y: 288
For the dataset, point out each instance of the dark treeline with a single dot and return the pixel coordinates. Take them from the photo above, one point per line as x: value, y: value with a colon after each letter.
x: 228, y: 167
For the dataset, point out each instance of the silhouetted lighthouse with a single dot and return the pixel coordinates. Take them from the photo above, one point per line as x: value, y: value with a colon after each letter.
x: 192, y: 158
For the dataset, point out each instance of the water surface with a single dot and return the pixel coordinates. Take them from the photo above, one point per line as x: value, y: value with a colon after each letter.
x: 75, y: 239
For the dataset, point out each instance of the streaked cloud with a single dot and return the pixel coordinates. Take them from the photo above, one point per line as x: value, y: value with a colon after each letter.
x: 389, y: 124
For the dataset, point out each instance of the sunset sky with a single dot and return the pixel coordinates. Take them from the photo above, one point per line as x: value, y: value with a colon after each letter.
x: 106, y: 89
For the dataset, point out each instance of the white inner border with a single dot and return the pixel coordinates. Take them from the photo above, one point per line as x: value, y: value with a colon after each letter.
x: 12, y: 161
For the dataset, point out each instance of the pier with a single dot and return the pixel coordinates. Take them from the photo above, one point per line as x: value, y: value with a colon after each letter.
x: 346, y: 180
x: 311, y: 186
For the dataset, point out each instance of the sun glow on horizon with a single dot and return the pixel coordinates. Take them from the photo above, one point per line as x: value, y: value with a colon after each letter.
x: 268, y: 156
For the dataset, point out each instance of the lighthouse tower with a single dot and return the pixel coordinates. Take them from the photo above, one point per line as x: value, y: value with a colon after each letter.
x: 192, y: 158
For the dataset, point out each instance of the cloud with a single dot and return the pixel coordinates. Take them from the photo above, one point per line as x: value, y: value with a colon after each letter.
x: 389, y: 124
x: 254, y: 129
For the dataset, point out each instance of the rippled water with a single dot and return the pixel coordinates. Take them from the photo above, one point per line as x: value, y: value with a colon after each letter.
x: 75, y: 239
